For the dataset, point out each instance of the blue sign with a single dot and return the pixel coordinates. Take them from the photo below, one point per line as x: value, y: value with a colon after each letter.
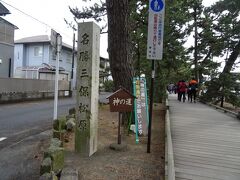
x: 157, y: 5
x: 155, y: 29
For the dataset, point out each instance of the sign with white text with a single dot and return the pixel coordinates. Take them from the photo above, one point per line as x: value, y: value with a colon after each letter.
x: 140, y: 106
x: 155, y: 29
x: 121, y: 101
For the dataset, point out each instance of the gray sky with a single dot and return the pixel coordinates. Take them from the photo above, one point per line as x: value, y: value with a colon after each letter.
x: 51, y: 12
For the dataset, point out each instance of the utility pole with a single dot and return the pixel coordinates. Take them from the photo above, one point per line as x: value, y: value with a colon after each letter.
x: 73, y: 55
x: 59, y: 46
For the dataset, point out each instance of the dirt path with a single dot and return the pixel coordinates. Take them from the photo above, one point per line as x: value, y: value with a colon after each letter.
x: 134, y: 163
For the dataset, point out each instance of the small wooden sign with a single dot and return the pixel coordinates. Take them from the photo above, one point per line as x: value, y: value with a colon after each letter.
x: 121, y: 101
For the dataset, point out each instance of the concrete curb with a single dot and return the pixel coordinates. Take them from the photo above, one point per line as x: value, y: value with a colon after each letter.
x: 169, y: 158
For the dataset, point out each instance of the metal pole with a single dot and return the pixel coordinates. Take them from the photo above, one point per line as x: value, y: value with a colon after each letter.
x: 59, y: 43
x: 10, y: 68
x: 73, y: 54
x: 139, y: 65
x: 151, y: 107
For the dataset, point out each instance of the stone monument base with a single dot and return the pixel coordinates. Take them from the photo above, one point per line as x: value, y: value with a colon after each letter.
x: 118, y: 147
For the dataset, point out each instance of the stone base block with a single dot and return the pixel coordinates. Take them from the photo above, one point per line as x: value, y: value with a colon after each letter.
x: 48, y: 176
x: 118, y: 147
x: 57, y: 156
x: 69, y: 174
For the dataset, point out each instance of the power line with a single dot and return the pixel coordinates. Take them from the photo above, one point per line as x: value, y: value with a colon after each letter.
x: 34, y: 18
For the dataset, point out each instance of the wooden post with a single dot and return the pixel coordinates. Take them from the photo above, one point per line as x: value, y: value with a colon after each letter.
x: 119, y: 127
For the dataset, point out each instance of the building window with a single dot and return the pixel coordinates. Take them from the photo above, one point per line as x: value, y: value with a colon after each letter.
x: 38, y: 51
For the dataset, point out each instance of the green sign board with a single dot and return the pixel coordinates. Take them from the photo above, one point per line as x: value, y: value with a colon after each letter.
x: 140, y: 107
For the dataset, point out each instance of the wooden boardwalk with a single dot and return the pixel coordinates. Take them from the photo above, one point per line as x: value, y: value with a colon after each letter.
x: 206, y: 142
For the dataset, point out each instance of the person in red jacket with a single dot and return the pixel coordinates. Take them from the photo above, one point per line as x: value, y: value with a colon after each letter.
x: 182, y: 90
x: 193, y: 85
x: 177, y: 90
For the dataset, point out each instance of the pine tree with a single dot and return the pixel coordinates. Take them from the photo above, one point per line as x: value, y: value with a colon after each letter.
x: 118, y: 37
x: 226, y: 29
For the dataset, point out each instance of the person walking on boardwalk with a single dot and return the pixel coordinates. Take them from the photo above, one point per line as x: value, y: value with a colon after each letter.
x: 182, y: 90
x: 188, y: 91
x: 177, y: 90
x: 193, y: 85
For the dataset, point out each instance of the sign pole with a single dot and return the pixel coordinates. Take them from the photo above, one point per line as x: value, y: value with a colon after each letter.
x: 151, y: 107
x: 154, y: 47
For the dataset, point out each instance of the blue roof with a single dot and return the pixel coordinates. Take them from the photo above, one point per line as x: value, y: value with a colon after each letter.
x: 3, y: 10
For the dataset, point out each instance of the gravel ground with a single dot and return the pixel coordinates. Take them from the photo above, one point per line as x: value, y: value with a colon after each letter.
x: 134, y: 163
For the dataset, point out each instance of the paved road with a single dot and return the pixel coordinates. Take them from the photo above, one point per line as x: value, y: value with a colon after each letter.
x: 24, y: 119
x: 20, y: 120
x: 26, y: 127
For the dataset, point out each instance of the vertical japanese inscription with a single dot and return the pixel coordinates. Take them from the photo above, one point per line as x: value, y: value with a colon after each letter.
x: 84, y: 81
x: 84, y: 57
x: 141, y: 106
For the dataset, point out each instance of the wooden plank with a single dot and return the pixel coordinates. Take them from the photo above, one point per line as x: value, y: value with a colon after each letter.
x: 202, y: 143
x: 205, y: 129
x: 205, y: 138
x: 180, y: 175
x: 208, y: 161
x: 206, y: 173
x: 217, y: 131
x: 220, y: 158
x: 191, y: 121
x: 183, y: 179
x: 220, y: 145
x: 207, y: 153
x: 212, y: 144
x: 208, y: 166
x: 208, y: 149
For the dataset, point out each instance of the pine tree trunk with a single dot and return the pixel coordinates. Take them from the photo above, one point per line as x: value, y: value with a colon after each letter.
x: 120, y: 63
x: 230, y: 62
x: 216, y: 85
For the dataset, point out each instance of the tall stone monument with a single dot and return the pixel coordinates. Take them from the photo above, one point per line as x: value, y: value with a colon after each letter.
x: 87, y: 88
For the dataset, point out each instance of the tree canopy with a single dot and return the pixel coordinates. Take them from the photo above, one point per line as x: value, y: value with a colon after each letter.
x: 215, y: 31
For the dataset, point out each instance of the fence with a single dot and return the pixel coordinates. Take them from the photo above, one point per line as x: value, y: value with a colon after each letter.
x: 8, y: 85
x: 14, y: 89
